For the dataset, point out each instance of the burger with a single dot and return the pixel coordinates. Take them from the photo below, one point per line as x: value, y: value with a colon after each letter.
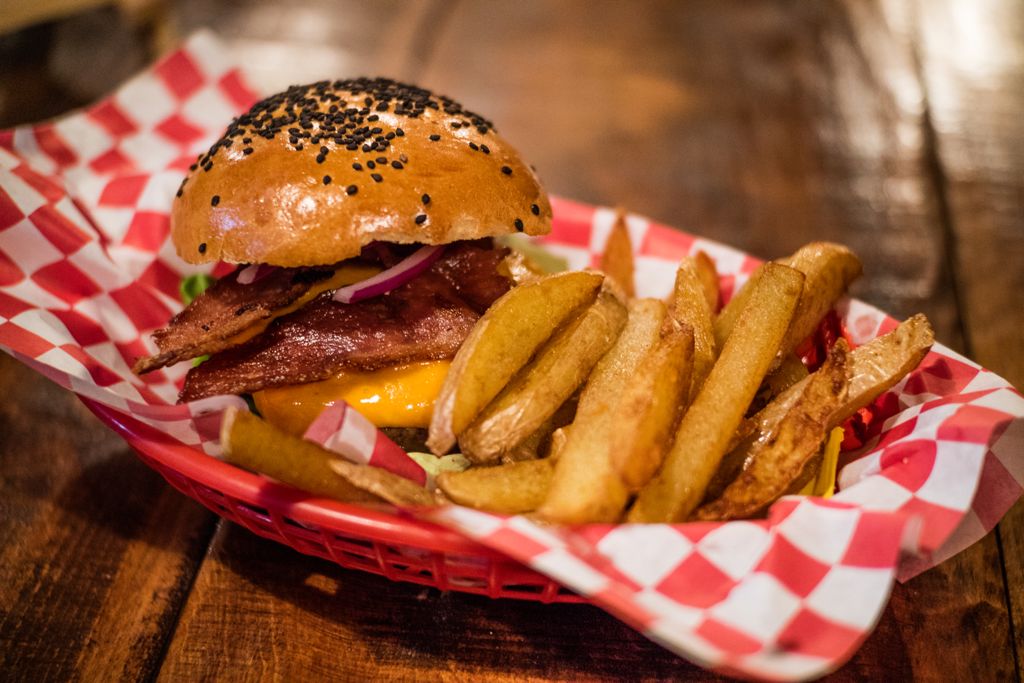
x: 361, y: 217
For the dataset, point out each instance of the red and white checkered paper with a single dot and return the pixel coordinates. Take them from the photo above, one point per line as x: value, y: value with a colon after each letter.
x: 87, y: 271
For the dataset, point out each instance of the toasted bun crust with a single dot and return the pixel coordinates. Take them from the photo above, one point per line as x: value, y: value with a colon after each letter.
x: 298, y: 180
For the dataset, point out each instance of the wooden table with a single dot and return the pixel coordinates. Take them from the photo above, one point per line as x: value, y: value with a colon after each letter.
x: 895, y: 127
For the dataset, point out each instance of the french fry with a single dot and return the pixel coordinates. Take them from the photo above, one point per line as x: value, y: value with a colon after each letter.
x: 586, y: 487
x: 509, y: 489
x: 828, y: 268
x: 500, y: 344
x: 617, y: 259
x: 874, y: 368
x: 708, y: 425
x: 791, y: 457
x: 256, y: 445
x: 383, y: 484
x: 708, y: 275
x: 546, y: 383
x: 690, y: 307
x: 790, y: 371
x: 650, y: 405
x: 730, y: 313
x: 538, y: 444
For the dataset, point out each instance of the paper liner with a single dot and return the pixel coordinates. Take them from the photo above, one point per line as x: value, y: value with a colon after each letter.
x: 87, y: 272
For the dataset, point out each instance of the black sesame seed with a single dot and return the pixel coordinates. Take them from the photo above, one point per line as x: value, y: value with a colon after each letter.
x: 247, y: 150
x: 421, y: 218
x: 367, y: 148
x: 435, y: 137
x: 473, y: 146
x: 357, y: 166
x: 202, y: 247
x: 377, y: 177
x: 327, y: 180
x: 534, y: 209
x: 215, y: 200
x: 374, y: 131
x: 351, y: 189
x: 506, y: 170
x: 298, y: 147
x: 382, y: 160
x: 371, y: 165
x: 425, y: 198
x: 519, y: 224
x: 320, y: 158
x: 397, y: 165
x: 372, y: 117
x: 485, y: 149
x: 399, y: 132
x: 178, y: 193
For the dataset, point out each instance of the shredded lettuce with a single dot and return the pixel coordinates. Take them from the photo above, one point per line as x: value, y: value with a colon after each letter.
x: 194, y: 285
x: 455, y: 462
x: 537, y: 254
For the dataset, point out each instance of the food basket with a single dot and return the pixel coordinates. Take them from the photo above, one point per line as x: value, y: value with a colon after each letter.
x: 87, y: 271
x: 385, y: 542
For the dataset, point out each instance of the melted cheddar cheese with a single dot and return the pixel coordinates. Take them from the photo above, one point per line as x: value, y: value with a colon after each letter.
x: 391, y: 397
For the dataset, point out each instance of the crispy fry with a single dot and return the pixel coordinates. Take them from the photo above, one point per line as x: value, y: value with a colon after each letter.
x: 500, y: 344
x: 649, y: 407
x: 874, y: 367
x: 730, y: 313
x: 538, y: 444
x: 790, y: 457
x: 690, y: 307
x: 547, y: 382
x: 708, y: 275
x: 387, y: 485
x: 829, y: 269
x: 509, y: 489
x: 708, y: 425
x: 256, y: 445
x: 617, y: 259
x: 585, y: 486
x: 790, y: 371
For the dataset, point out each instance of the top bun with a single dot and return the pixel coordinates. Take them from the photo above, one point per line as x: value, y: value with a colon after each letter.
x: 311, y: 175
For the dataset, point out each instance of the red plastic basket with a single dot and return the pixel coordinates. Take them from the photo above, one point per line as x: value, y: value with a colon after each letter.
x: 376, y: 540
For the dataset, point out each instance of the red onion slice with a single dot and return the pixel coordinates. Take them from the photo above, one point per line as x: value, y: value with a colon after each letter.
x: 256, y: 271
x: 392, y: 278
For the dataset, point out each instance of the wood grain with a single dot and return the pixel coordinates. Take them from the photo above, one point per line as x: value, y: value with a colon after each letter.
x: 283, y: 616
x: 96, y: 551
x: 976, y: 100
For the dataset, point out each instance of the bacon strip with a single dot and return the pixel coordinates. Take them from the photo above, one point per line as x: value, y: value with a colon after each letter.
x: 226, y: 309
x: 424, y: 319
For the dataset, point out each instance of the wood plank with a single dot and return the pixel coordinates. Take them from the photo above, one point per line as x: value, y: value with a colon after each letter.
x: 97, y: 553
x: 971, y: 57
x: 260, y: 611
x: 761, y: 124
